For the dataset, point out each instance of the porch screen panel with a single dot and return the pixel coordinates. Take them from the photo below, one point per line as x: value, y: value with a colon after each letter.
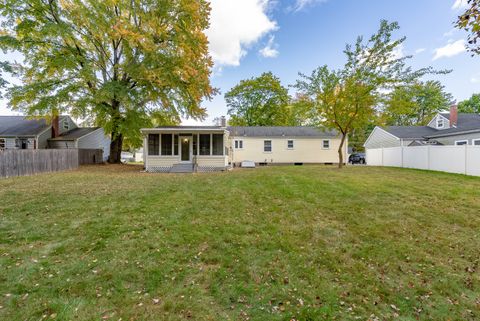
x: 195, y: 144
x: 175, y: 145
x: 153, y: 144
x: 217, y: 144
x: 204, y: 144
x: 167, y: 144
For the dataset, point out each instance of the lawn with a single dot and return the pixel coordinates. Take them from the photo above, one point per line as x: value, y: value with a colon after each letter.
x: 276, y: 243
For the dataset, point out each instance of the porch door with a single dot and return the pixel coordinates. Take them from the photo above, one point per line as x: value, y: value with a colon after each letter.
x: 185, y: 149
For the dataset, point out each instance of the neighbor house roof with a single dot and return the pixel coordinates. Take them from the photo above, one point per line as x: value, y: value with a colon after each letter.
x: 410, y: 132
x: 76, y: 133
x: 465, y: 123
x: 21, y: 126
x: 280, y: 131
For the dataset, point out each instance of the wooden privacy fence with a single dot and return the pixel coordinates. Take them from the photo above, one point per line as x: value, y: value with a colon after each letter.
x: 90, y: 156
x: 34, y: 161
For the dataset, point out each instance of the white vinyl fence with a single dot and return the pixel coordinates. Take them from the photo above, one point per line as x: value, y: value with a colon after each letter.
x: 453, y: 159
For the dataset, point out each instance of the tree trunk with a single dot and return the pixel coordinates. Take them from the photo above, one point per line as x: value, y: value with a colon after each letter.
x: 116, y: 149
x: 340, y: 151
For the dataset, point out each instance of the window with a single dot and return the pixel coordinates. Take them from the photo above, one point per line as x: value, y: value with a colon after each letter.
x: 167, y: 146
x: 461, y: 142
x: 289, y: 144
x: 326, y: 144
x: 204, y: 144
x: 66, y: 125
x: 217, y: 144
x: 175, y: 145
x: 153, y: 144
x: 476, y: 142
x: 195, y: 144
x: 267, y: 146
x: 239, y: 144
x: 2, y: 143
x: 440, y: 122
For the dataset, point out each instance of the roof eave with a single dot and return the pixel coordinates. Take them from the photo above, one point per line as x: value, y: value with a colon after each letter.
x: 454, y: 133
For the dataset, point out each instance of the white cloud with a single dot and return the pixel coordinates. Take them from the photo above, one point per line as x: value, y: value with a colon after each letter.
x: 460, y: 4
x: 450, y: 50
x: 398, y: 52
x: 302, y: 4
x: 420, y: 50
x: 235, y: 25
x: 270, y: 51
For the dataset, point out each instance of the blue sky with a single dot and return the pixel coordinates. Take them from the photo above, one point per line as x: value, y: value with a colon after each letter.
x: 317, y: 33
x: 249, y: 37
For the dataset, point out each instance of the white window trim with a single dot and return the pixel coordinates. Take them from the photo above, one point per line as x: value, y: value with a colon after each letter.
x: 238, y: 142
x: 66, y: 125
x: 271, y: 146
x: 475, y: 140
x: 442, y: 121
x: 323, y: 144
x: 461, y: 141
x: 293, y: 144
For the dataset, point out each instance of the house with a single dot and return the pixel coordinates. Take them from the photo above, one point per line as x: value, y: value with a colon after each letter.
x: 214, y: 148
x: 446, y: 128
x: 19, y: 132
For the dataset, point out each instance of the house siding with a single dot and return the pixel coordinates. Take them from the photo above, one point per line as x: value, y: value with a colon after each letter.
x: 433, y: 122
x: 96, y: 140
x: 43, y: 138
x: 62, y: 144
x: 305, y: 150
x: 380, y: 138
x: 450, y: 140
x: 71, y: 124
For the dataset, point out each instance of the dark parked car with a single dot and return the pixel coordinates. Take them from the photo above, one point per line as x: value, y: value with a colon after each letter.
x: 357, y: 158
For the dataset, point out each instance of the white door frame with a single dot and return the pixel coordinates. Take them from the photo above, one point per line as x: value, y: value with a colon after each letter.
x: 190, y: 156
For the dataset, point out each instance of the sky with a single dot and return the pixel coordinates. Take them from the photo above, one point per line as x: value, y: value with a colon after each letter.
x: 249, y: 37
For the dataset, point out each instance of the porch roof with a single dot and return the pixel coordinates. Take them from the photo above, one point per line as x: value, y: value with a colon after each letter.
x: 185, y: 129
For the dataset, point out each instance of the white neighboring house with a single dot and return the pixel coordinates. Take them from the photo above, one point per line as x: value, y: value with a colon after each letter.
x: 20, y: 132
x: 449, y: 128
x: 214, y: 148
x: 83, y: 138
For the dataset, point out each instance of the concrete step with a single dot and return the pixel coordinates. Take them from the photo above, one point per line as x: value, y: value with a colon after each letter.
x: 182, y: 168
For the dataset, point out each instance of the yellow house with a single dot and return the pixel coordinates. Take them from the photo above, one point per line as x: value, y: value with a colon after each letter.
x: 217, y: 148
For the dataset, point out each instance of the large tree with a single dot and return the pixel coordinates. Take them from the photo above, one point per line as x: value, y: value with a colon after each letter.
x: 471, y: 105
x: 470, y: 22
x: 415, y: 104
x: 346, y: 99
x: 120, y: 63
x: 260, y: 101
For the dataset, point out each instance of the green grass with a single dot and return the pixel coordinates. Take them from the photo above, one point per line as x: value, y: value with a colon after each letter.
x: 277, y: 243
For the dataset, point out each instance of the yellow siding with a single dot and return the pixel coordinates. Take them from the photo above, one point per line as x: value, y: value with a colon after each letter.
x: 162, y: 161
x: 305, y: 150
x: 212, y: 161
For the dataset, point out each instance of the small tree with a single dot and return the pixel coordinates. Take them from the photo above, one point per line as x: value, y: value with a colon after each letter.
x: 415, y: 104
x: 346, y: 99
x: 471, y: 105
x: 260, y: 101
x: 120, y: 63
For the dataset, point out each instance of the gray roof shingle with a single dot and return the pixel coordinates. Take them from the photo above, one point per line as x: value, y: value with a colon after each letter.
x: 281, y: 131
x: 465, y: 122
x: 413, y: 132
x: 21, y: 126
x: 75, y: 133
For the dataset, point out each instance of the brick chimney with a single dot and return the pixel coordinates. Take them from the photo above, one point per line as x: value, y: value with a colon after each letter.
x: 223, y: 121
x: 55, y: 126
x: 453, y: 116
